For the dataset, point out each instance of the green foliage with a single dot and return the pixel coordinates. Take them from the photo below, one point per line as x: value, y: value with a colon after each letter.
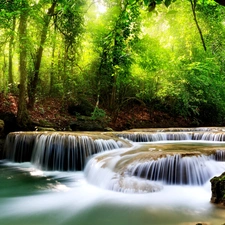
x: 98, y: 114
x: 115, y: 52
x: 69, y: 20
x: 122, y: 52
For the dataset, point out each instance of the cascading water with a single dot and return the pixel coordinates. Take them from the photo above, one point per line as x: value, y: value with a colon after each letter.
x: 170, y: 167
x: 55, y: 151
x: 144, y: 171
x: 18, y: 147
x: 175, y: 170
x: 173, y: 136
x: 219, y: 155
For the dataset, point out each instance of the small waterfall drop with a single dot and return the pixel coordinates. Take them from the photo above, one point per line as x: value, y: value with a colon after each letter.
x: 143, y: 169
x: 104, y: 171
x: 175, y: 169
x: 18, y: 147
x: 55, y: 151
x: 146, y: 163
x: 173, y: 136
x: 219, y: 155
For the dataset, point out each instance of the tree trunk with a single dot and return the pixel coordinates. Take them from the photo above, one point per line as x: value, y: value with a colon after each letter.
x: 52, y: 72
x: 4, y: 73
x: 34, y: 79
x: 193, y: 7
x: 11, y: 43
x: 22, y: 115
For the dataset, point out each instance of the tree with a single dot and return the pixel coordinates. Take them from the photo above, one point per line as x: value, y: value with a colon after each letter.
x: 115, y: 55
x: 22, y: 115
x: 8, y: 23
x: 33, y: 78
x: 69, y: 22
x: 147, y: 50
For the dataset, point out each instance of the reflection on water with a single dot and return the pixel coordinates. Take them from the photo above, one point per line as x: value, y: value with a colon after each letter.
x: 33, y: 197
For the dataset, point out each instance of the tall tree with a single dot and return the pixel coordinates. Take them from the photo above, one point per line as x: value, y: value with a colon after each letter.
x: 11, y: 46
x: 69, y: 22
x: 33, y: 79
x: 116, y: 54
x: 22, y: 115
x: 8, y: 11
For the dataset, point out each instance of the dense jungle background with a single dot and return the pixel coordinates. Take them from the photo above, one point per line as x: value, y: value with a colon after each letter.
x: 94, y: 64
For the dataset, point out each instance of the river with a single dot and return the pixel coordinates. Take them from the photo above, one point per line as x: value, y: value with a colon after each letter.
x: 32, y: 196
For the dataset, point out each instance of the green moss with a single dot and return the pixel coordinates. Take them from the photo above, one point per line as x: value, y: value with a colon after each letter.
x: 1, y: 125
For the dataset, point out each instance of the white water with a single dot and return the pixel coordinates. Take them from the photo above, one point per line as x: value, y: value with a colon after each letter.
x: 55, y: 151
x: 173, y: 135
x: 107, y: 194
x: 75, y: 201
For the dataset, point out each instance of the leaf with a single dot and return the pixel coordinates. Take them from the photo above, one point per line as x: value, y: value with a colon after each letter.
x: 158, y: 1
x: 146, y: 2
x: 167, y: 3
x: 171, y: 12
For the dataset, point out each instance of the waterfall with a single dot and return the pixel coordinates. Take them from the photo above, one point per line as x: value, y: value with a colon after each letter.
x: 143, y: 169
x: 55, y: 151
x: 18, y: 147
x: 152, y: 137
x: 145, y: 163
x: 102, y: 171
x: 174, y: 169
x: 173, y: 136
x: 219, y: 155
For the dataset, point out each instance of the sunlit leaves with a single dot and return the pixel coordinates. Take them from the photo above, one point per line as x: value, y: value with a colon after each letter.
x: 69, y: 20
x: 167, y: 3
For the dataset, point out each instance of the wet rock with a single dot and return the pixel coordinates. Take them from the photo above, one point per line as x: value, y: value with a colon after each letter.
x: 2, y: 142
x: 196, y: 223
x: 218, y: 189
x: 85, y: 123
x: 2, y: 124
x: 37, y: 128
x: 202, y: 223
x: 9, y: 121
x: 80, y: 107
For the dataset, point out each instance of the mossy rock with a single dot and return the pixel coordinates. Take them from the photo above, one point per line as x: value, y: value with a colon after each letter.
x: 10, y: 123
x: 87, y: 125
x: 2, y: 124
x: 45, y: 123
x: 218, y: 189
x: 37, y: 128
x: 80, y: 107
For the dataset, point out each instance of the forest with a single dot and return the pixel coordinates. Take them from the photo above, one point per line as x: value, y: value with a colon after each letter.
x: 165, y: 55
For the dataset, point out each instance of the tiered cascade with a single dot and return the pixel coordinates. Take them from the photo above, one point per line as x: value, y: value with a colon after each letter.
x: 55, y: 151
x: 173, y: 136
x: 161, y: 157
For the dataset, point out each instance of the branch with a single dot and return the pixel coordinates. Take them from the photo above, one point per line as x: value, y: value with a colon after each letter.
x: 193, y: 7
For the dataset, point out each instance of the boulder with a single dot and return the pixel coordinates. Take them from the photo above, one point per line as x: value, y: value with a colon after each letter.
x: 80, y: 107
x: 218, y: 189
x: 37, y: 128
x: 10, y: 123
x: 2, y: 125
x: 85, y: 123
x: 80, y: 125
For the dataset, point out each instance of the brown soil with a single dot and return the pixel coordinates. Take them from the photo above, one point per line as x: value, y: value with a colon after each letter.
x: 51, y: 111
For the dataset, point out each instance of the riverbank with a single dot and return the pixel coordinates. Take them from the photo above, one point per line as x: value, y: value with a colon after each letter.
x: 52, y: 112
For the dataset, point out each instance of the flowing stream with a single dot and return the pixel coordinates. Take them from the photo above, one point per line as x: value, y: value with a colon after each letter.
x: 165, y: 181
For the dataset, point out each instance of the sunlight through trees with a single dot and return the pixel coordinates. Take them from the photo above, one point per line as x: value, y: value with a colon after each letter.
x: 166, y: 54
